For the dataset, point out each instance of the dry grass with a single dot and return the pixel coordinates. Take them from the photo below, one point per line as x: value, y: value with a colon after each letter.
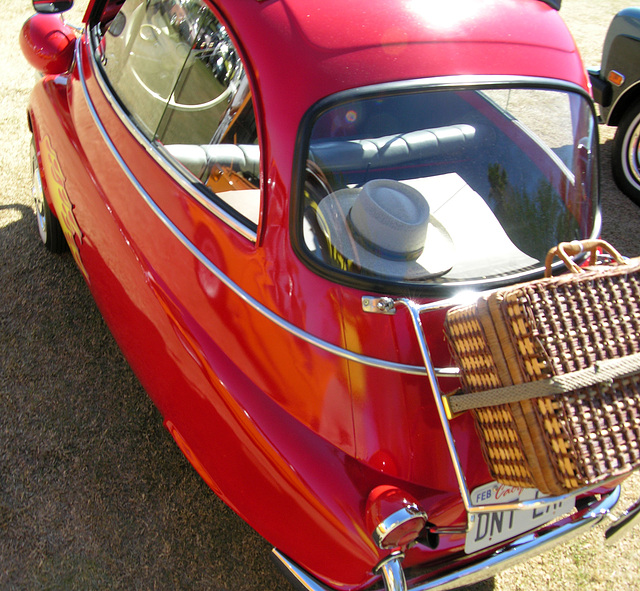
x: 93, y: 493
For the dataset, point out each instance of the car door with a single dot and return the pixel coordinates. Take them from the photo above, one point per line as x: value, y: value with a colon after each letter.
x: 166, y: 188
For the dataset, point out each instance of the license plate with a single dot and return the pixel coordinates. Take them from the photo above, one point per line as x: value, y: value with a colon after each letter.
x: 496, y: 527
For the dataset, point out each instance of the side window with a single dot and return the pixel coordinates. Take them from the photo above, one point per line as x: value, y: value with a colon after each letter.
x: 175, y: 69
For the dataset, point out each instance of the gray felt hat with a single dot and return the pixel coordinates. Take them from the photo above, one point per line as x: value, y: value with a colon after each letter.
x: 386, y: 228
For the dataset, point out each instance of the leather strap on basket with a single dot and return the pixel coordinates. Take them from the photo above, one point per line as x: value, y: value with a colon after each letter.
x: 565, y: 250
x: 602, y: 372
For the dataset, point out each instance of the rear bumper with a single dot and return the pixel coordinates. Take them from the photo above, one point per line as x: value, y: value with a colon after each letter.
x: 517, y: 551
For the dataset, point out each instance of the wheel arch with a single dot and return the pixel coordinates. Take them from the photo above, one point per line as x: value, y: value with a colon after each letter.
x: 622, y: 55
x: 621, y: 106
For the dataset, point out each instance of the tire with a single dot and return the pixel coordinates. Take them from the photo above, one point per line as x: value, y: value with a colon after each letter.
x: 48, y: 225
x: 625, y: 159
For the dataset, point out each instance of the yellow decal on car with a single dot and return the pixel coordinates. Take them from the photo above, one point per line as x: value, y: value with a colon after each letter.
x: 60, y: 198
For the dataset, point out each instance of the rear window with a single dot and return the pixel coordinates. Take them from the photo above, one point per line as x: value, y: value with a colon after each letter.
x: 447, y: 186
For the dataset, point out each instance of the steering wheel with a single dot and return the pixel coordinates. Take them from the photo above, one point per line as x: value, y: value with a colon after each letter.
x: 183, y: 106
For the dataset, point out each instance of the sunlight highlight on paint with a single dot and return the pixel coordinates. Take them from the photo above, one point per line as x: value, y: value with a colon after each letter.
x: 439, y: 15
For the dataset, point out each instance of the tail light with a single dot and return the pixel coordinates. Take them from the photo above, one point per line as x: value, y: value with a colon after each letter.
x: 394, y: 517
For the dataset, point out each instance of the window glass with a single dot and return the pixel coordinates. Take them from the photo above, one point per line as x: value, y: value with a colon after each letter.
x: 145, y: 49
x: 449, y: 186
x: 175, y: 69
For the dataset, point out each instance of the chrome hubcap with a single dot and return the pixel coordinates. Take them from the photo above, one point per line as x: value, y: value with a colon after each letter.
x: 632, y: 160
x: 38, y: 196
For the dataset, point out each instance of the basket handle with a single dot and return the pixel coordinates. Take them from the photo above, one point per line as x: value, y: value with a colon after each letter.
x: 565, y: 250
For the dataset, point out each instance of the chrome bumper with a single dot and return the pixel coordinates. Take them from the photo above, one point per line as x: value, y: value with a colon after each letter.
x: 517, y: 551
x: 624, y: 523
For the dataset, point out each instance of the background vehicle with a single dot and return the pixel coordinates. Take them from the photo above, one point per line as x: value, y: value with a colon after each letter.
x: 616, y: 90
x: 587, y: 177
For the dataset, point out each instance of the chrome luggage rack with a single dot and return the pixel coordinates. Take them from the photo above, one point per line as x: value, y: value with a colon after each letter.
x: 532, y: 544
x: 511, y: 553
x: 387, y: 305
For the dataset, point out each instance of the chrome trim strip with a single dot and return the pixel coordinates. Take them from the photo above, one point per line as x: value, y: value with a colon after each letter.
x: 395, y: 520
x: 446, y: 372
x: 244, y: 296
x: 519, y: 550
x: 628, y: 520
x: 392, y: 574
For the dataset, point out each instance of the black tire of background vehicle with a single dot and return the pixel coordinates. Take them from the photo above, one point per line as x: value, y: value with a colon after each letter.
x: 625, y: 162
x: 48, y: 225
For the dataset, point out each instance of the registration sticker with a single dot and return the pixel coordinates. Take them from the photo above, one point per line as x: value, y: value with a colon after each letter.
x: 496, y: 527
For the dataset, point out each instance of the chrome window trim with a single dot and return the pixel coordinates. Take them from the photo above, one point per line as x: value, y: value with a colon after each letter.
x: 227, y: 281
x: 167, y: 165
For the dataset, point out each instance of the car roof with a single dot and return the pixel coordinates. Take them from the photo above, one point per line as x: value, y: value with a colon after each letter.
x: 333, y: 25
x: 313, y: 48
x: 366, y: 41
x: 301, y: 51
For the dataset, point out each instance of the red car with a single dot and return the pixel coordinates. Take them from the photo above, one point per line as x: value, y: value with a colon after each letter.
x: 274, y: 203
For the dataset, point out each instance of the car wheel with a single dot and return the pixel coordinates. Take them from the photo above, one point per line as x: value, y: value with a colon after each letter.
x: 625, y: 160
x: 48, y: 225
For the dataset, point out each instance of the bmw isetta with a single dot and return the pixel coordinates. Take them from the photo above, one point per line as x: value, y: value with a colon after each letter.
x: 274, y: 203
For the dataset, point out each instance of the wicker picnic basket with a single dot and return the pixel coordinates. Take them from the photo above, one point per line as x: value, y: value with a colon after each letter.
x: 551, y: 372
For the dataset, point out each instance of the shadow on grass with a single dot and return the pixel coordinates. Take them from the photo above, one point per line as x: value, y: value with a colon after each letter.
x: 93, y: 492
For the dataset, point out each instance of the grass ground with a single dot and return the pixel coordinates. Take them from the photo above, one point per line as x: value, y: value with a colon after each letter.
x: 93, y: 492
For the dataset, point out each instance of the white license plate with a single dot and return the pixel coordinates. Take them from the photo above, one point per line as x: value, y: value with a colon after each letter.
x: 496, y: 527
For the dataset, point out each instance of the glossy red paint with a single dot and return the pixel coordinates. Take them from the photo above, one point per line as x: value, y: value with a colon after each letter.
x: 251, y: 404
x: 48, y: 43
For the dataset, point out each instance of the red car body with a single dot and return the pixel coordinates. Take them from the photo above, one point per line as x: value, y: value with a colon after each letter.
x: 291, y: 402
